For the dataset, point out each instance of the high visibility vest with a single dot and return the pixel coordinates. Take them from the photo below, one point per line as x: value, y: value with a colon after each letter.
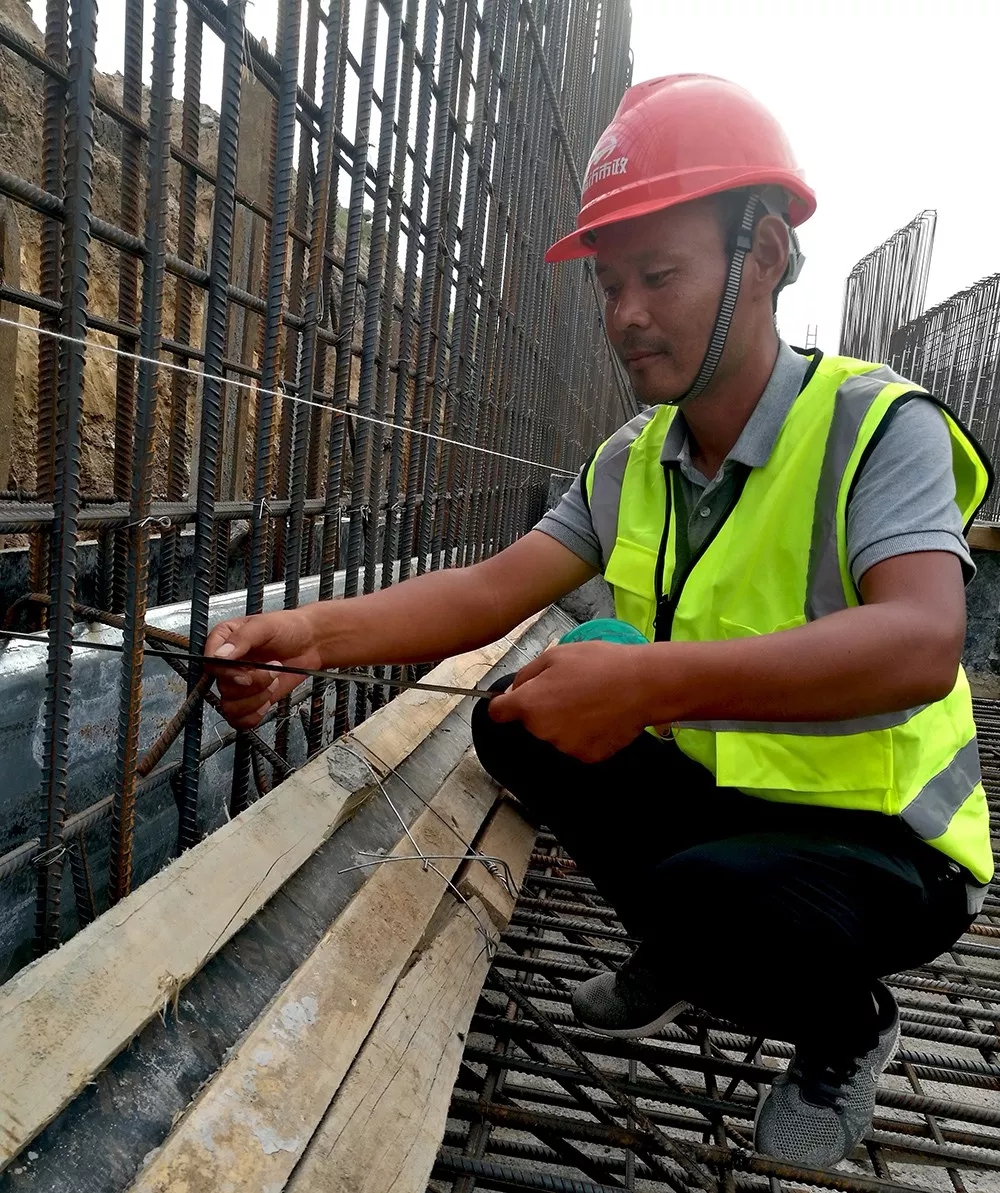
x: 779, y: 560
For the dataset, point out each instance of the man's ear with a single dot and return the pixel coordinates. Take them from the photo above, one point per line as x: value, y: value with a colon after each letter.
x: 769, y: 256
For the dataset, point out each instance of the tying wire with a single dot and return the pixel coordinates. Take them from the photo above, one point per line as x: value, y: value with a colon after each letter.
x: 498, y: 867
x: 280, y: 393
x: 426, y: 860
x: 359, y: 677
x: 151, y: 520
x: 469, y: 849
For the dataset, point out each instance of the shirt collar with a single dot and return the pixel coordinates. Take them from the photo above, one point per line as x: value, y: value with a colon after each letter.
x: 758, y: 437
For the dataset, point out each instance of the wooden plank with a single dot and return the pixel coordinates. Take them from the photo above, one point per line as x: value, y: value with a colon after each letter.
x: 509, y: 837
x: 985, y: 538
x: 384, y: 1128
x: 65, y: 1017
x: 253, y: 1121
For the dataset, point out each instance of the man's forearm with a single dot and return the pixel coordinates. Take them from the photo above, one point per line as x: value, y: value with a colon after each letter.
x: 862, y: 661
x: 426, y: 618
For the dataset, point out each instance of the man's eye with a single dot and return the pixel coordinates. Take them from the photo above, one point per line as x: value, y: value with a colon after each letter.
x: 656, y: 279
x: 610, y: 293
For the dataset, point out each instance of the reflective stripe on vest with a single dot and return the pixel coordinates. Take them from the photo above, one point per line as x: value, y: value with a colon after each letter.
x: 930, y: 812
x: 778, y: 561
x: 882, y: 720
x: 854, y: 398
x: 614, y: 460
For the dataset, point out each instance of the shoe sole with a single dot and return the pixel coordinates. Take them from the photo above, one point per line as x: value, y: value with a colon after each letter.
x: 647, y: 1029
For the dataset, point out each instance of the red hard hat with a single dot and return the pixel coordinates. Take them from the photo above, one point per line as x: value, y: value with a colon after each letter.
x: 676, y: 139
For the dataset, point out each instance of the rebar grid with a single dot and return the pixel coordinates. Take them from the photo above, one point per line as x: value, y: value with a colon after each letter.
x: 886, y: 289
x: 543, y: 1103
x: 953, y: 351
x: 419, y: 156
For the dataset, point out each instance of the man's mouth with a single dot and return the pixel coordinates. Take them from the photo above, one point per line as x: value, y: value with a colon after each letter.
x: 633, y: 358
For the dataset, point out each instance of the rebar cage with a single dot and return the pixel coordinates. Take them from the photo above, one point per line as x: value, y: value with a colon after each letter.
x: 887, y: 288
x: 953, y: 351
x: 331, y: 343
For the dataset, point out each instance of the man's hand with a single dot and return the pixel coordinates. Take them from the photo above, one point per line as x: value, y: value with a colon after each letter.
x: 288, y: 637
x: 587, y: 699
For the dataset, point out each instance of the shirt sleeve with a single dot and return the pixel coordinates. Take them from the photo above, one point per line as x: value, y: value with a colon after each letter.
x: 904, y: 497
x: 570, y: 523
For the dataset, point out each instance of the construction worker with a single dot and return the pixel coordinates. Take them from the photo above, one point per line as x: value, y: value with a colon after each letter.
x: 785, y: 530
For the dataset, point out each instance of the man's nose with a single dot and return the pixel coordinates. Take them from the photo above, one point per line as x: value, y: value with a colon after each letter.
x: 629, y: 310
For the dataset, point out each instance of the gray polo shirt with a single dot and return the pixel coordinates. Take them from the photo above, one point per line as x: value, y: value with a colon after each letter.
x: 903, y: 500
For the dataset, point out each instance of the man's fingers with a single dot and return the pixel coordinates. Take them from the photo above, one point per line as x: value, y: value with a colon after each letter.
x: 530, y: 670
x: 238, y: 637
x: 506, y: 707
x: 244, y: 706
x: 250, y: 676
x: 244, y: 711
x: 240, y: 685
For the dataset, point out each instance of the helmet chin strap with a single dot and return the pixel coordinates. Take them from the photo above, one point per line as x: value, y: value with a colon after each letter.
x: 741, y: 245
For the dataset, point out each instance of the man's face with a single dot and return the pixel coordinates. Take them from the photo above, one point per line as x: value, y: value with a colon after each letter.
x: 662, y: 276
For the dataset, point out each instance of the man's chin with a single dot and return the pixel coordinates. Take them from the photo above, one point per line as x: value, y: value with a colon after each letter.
x: 662, y: 394
x: 658, y: 385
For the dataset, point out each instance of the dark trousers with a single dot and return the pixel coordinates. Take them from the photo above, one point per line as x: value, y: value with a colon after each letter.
x: 778, y: 917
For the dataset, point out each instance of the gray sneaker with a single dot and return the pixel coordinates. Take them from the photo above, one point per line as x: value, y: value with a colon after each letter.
x: 629, y: 1004
x: 818, y: 1111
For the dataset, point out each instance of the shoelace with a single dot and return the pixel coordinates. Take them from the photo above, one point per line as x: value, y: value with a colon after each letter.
x: 823, y: 1084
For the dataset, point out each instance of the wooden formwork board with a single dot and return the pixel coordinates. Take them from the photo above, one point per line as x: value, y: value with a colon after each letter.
x: 253, y: 1121
x: 383, y: 1129
x: 63, y: 1018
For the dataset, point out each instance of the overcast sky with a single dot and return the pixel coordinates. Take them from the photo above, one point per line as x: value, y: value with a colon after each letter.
x: 891, y: 105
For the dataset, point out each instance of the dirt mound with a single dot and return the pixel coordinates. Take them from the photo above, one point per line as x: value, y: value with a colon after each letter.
x: 21, y: 87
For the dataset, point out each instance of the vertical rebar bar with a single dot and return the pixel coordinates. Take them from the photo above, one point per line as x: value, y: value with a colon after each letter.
x: 313, y: 306
x: 325, y: 164
x: 295, y: 286
x: 433, y: 286
x: 276, y: 261
x: 137, y: 533
x: 342, y: 374
x: 424, y: 288
x: 128, y: 292
x: 366, y: 477
x: 457, y: 465
x: 50, y: 278
x: 208, y: 444
x: 66, y: 480
x: 390, y: 541
x: 180, y: 386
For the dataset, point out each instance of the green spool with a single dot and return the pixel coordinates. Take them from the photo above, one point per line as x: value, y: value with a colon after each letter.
x: 605, y: 629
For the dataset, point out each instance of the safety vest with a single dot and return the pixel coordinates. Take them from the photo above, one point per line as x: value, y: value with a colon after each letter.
x: 779, y: 560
